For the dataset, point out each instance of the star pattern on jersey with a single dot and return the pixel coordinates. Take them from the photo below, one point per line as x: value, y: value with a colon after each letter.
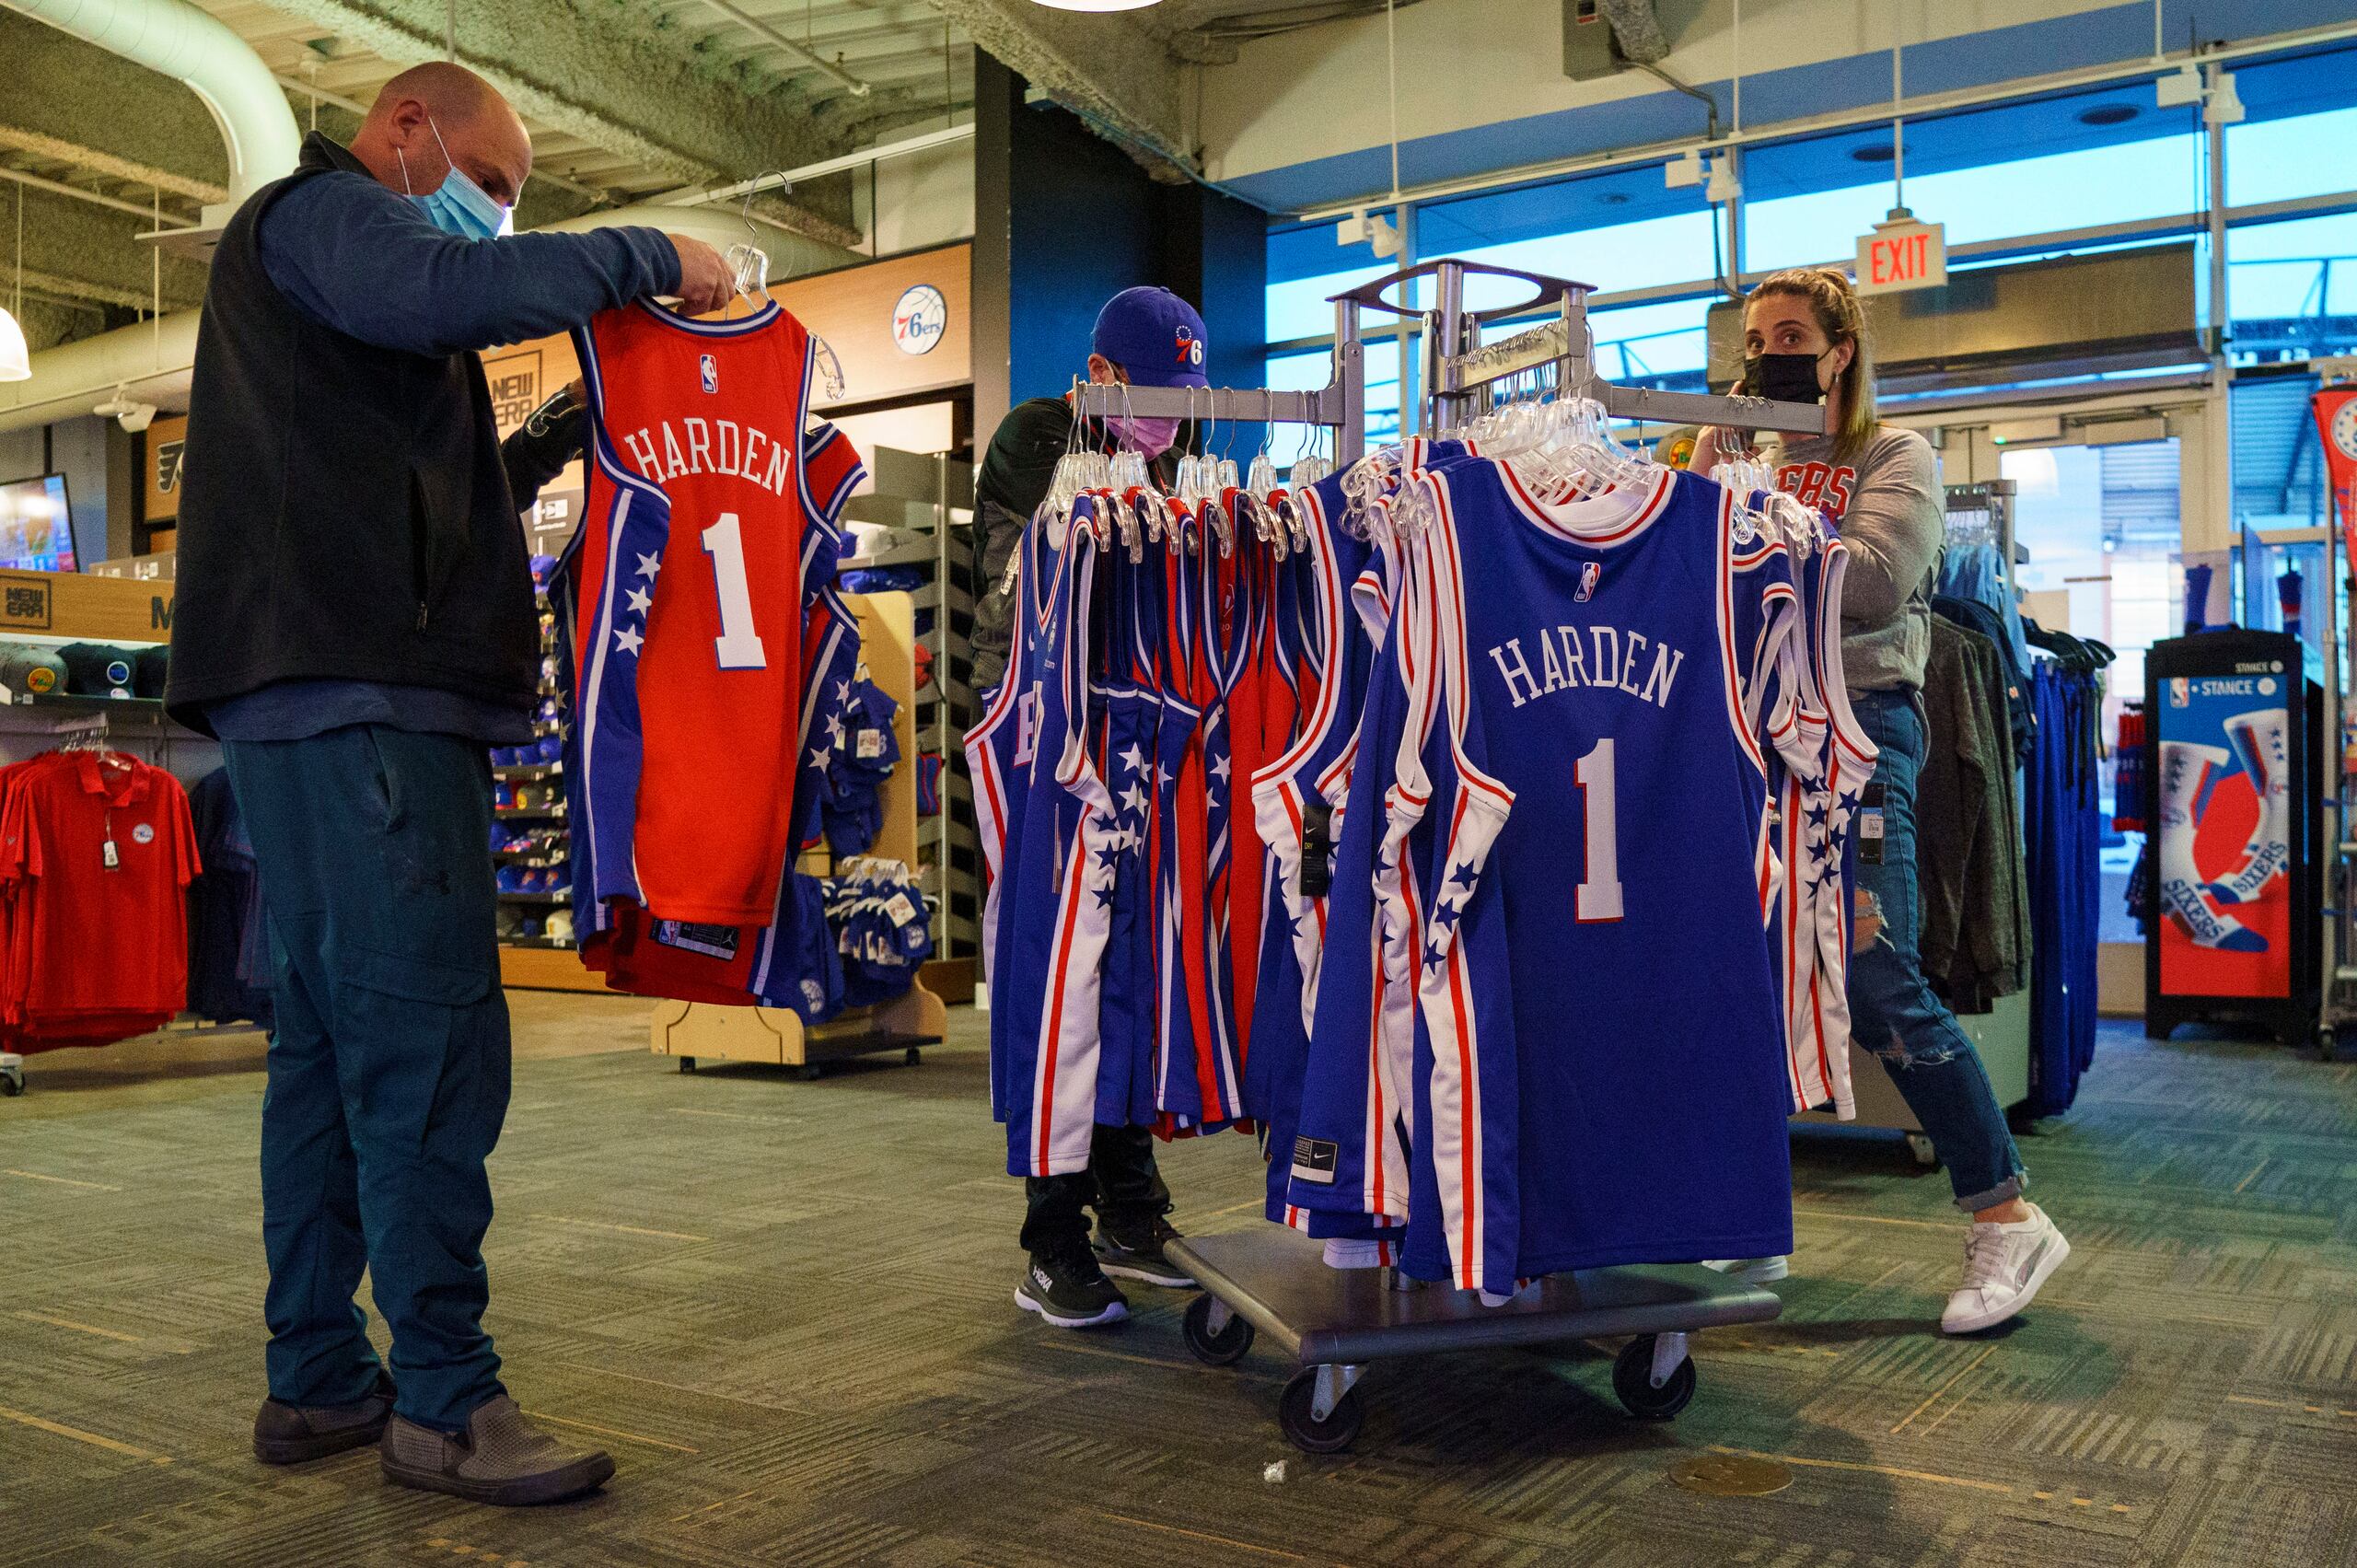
x: 1462, y: 875
x: 1220, y: 768
x: 639, y: 600
x: 648, y: 565
x: 627, y: 639
x: 819, y: 759
x: 834, y: 729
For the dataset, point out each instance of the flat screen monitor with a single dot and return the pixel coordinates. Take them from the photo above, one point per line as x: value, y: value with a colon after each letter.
x: 35, y: 535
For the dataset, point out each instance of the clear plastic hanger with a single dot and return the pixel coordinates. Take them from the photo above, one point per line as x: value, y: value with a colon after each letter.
x: 749, y: 264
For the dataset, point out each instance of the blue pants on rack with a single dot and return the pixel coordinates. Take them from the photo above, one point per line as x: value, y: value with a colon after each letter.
x: 388, y: 1068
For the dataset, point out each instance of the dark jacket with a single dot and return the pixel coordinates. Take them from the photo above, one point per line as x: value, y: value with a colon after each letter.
x: 1017, y: 469
x: 344, y: 512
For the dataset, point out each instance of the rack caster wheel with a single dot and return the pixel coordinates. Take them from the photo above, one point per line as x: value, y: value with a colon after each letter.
x: 687, y: 1063
x: 809, y: 1072
x: 11, y: 1084
x: 1918, y: 1145
x: 1222, y: 1346
x: 914, y: 1056
x: 1632, y: 1380
x: 1297, y: 1417
x: 2328, y: 1043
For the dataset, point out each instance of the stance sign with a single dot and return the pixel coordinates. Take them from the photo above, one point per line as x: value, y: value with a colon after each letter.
x: 1902, y: 255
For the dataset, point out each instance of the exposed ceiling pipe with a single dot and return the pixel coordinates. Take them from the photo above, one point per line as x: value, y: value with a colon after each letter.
x: 768, y: 33
x: 181, y: 41
x: 151, y: 360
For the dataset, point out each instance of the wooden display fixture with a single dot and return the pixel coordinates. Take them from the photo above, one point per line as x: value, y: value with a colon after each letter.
x: 695, y: 1031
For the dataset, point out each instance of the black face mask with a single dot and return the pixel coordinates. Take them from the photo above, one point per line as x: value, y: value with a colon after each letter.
x: 1783, y: 377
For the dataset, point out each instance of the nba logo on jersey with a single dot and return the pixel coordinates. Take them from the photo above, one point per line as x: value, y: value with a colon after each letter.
x: 2181, y: 691
x: 1588, y: 574
x: 711, y: 375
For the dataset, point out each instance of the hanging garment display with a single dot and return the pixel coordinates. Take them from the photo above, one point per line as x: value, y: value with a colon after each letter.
x: 1543, y: 737
x: 97, y: 850
x: 2062, y: 828
x: 707, y: 651
x: 228, y: 946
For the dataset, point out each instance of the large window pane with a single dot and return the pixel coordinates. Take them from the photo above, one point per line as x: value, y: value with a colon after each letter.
x: 2293, y: 287
x: 2300, y: 155
x: 1308, y: 372
x: 1617, y: 256
x: 1653, y: 346
x: 2119, y: 183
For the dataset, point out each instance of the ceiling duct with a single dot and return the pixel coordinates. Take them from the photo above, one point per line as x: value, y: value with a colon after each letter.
x: 181, y: 42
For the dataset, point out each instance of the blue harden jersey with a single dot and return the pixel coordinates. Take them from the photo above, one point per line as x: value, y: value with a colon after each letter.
x: 1598, y: 1073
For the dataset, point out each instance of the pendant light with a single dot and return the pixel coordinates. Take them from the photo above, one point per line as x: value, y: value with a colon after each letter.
x: 15, y: 365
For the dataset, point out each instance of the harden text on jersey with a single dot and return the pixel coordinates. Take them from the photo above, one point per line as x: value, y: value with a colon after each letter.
x: 717, y: 445
x: 1572, y: 656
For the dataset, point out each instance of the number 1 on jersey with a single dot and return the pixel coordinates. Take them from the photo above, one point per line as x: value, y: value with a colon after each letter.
x: 738, y: 644
x: 1597, y: 896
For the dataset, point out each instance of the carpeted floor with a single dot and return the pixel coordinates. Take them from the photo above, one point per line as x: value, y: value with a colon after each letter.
x: 786, y: 1308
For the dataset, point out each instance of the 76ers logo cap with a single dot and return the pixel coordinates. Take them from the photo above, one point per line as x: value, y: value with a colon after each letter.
x: 1153, y: 335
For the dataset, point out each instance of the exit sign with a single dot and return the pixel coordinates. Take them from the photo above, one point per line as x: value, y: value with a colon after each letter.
x: 1903, y: 254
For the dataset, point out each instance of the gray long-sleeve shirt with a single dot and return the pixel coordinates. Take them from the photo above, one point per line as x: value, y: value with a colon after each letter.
x: 1887, y: 505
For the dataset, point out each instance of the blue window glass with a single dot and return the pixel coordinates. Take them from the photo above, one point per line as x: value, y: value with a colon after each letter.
x: 2300, y: 155
x: 2291, y: 287
x: 1308, y: 372
x: 1616, y: 256
x: 2158, y: 177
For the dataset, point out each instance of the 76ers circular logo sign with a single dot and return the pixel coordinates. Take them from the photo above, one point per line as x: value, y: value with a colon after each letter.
x: 920, y: 319
x: 2344, y: 429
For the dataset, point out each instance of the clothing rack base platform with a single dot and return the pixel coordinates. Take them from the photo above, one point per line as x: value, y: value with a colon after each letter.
x: 1332, y: 1322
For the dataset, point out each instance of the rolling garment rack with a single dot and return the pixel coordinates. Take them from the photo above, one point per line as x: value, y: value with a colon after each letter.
x: 1271, y: 1280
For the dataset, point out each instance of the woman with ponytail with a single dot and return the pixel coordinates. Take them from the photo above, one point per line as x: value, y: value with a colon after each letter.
x: 1805, y: 341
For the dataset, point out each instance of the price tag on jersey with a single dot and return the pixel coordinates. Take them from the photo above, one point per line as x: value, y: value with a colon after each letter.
x: 898, y: 907
x: 1317, y: 851
x: 1870, y: 826
x: 109, y: 854
x: 712, y: 941
x: 870, y: 745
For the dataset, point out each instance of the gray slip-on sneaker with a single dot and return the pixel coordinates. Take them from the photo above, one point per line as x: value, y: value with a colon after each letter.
x: 501, y: 1458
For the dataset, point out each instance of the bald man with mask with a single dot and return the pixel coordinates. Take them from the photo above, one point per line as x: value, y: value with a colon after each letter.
x: 355, y: 624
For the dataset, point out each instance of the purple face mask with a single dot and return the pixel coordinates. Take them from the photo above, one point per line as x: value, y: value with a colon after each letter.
x: 1152, y: 437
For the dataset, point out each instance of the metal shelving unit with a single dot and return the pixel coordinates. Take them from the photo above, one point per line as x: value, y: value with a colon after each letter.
x: 1273, y: 1281
x: 930, y: 499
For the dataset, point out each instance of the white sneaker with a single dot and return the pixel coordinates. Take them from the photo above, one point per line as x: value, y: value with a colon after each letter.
x: 1752, y: 1271
x: 2003, y: 1266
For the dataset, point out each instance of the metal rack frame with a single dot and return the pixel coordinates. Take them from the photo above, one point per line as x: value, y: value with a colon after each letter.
x: 2338, y: 914
x: 1273, y: 1281
x: 1461, y: 369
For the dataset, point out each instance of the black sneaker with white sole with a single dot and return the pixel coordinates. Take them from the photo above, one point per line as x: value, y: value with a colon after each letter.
x: 1069, y: 1290
x: 1141, y: 1256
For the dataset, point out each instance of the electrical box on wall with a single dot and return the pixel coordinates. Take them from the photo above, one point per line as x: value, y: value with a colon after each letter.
x: 1589, y: 49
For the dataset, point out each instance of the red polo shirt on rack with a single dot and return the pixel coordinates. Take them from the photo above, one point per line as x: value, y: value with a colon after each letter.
x: 96, y: 951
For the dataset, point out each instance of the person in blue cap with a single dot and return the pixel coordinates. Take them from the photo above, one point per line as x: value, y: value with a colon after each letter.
x: 1144, y: 337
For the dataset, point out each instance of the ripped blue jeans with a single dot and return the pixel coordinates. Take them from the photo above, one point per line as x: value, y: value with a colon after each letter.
x: 1894, y: 1012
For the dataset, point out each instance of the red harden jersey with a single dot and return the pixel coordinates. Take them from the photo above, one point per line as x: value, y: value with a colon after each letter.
x: 688, y: 660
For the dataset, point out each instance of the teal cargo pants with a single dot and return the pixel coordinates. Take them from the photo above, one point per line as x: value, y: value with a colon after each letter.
x: 389, y: 1067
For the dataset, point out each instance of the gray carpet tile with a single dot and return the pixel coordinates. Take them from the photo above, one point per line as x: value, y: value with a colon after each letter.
x: 787, y: 1309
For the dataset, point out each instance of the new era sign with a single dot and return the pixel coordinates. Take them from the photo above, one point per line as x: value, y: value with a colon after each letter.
x: 1902, y: 255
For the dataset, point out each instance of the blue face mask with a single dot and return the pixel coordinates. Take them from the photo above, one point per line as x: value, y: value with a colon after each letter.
x: 461, y: 208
